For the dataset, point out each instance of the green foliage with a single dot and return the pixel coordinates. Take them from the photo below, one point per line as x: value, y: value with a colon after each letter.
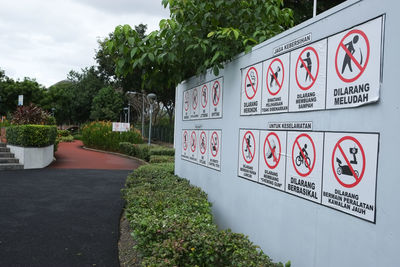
x: 107, y: 104
x: 173, y: 226
x: 31, y: 135
x: 31, y: 114
x: 160, y: 150
x: 77, y: 137
x: 62, y: 133
x: 161, y: 159
x: 144, y: 151
x: 99, y: 135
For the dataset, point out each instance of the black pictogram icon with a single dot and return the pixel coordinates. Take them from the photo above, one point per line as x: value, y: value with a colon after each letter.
x: 307, y: 65
x: 350, y: 48
x: 303, y: 157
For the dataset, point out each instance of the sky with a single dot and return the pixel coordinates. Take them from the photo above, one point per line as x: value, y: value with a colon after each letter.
x: 45, y: 39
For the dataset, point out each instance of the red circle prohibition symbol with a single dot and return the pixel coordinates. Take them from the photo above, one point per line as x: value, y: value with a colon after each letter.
x: 361, y: 68
x: 305, y: 67
x: 266, y: 142
x: 186, y: 100
x: 194, y: 105
x: 354, y: 174
x: 203, y: 149
x: 280, y: 85
x: 297, y: 144
x: 250, y: 85
x: 215, y: 90
x: 214, y: 141
x: 185, y: 145
x: 193, y: 138
x: 244, y: 143
x: 205, y: 88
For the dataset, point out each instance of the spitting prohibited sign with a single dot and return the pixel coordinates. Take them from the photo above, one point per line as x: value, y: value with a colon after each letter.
x: 214, y: 151
x: 272, y: 164
x: 216, y: 98
x: 193, y: 146
x: 251, y: 90
x: 354, y: 66
x: 185, y: 144
x: 186, y: 105
x: 275, y: 90
x: 195, y: 105
x: 350, y: 162
x: 304, y: 170
x: 203, y: 141
x: 248, y: 154
x: 308, y: 77
x: 204, y: 100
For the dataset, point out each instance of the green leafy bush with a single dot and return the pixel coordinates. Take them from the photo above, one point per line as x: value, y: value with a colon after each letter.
x: 144, y: 151
x: 173, y: 225
x: 161, y: 159
x: 160, y: 150
x: 63, y: 133
x: 32, y: 114
x: 31, y: 135
x: 99, y: 135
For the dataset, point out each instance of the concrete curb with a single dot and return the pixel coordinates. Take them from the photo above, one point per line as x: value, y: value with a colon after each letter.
x: 117, y: 154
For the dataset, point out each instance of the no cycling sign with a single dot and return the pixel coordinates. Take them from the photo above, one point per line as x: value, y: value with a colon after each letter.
x: 354, y: 66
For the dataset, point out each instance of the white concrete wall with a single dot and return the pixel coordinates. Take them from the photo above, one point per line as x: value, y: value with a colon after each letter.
x: 287, y: 227
x: 33, y: 157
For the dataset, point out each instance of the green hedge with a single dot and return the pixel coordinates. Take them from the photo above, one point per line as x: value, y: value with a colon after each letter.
x: 161, y: 159
x: 31, y: 135
x: 144, y: 151
x: 162, y: 151
x: 173, y: 225
x: 99, y: 135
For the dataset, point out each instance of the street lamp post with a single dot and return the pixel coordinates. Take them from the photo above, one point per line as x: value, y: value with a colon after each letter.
x: 137, y: 93
x: 151, y: 97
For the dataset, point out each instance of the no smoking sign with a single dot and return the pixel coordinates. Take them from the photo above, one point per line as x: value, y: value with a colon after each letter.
x: 251, y: 90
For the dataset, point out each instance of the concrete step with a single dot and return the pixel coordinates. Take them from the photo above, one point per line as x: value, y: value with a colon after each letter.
x: 3, y: 144
x: 4, y: 149
x: 9, y: 160
x: 6, y: 155
x: 11, y: 166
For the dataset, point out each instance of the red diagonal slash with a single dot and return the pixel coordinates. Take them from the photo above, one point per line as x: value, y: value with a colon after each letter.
x: 273, y: 74
x: 302, y: 154
x: 305, y: 66
x: 248, y: 147
x: 348, y: 163
x: 252, y: 87
x: 272, y: 151
x: 361, y: 68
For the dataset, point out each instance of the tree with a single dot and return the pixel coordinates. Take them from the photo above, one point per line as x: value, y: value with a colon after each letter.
x: 107, y: 104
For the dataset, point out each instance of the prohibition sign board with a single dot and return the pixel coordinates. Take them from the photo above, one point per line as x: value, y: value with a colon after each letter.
x: 302, y: 157
x: 186, y: 104
x: 193, y: 142
x: 214, y: 144
x: 272, y: 150
x: 204, y: 96
x: 309, y: 61
x: 195, y: 98
x: 216, y: 92
x: 186, y: 98
x: 275, y: 68
x: 185, y: 140
x: 248, y: 147
x: 214, y: 155
x: 346, y: 44
x: 251, y: 83
x: 195, y: 105
x: 193, y: 152
x: 203, y: 155
x: 348, y: 168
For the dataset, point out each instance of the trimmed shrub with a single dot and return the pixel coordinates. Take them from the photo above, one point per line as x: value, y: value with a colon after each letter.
x: 31, y: 135
x: 99, y: 135
x: 160, y: 150
x: 173, y: 225
x: 62, y: 133
x: 161, y: 159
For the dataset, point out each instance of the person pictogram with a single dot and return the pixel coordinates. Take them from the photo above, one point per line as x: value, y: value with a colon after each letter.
x: 303, y: 157
x: 193, y: 144
x: 274, y: 76
x: 203, y: 143
x: 347, y: 59
x: 308, y: 62
x: 247, y: 148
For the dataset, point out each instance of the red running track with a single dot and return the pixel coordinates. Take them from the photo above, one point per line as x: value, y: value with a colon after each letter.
x: 73, y: 156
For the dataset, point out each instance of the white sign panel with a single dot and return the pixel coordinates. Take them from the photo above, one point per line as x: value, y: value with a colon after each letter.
x: 272, y: 164
x: 354, y: 64
x: 214, y: 151
x: 216, y: 93
x: 204, y: 100
x: 251, y: 90
x: 195, y: 103
x: 203, y: 147
x: 193, y: 146
x: 120, y: 127
x: 20, y: 100
x: 185, y: 144
x: 248, y: 154
x: 304, y: 166
x: 275, y: 89
x: 350, y: 167
x: 186, y: 104
x: 308, y: 77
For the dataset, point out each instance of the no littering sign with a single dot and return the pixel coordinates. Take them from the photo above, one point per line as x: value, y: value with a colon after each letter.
x: 251, y: 90
x: 304, y: 168
x: 350, y: 167
x: 308, y: 77
x: 248, y: 154
x: 272, y: 163
x: 354, y: 66
x: 275, y: 92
